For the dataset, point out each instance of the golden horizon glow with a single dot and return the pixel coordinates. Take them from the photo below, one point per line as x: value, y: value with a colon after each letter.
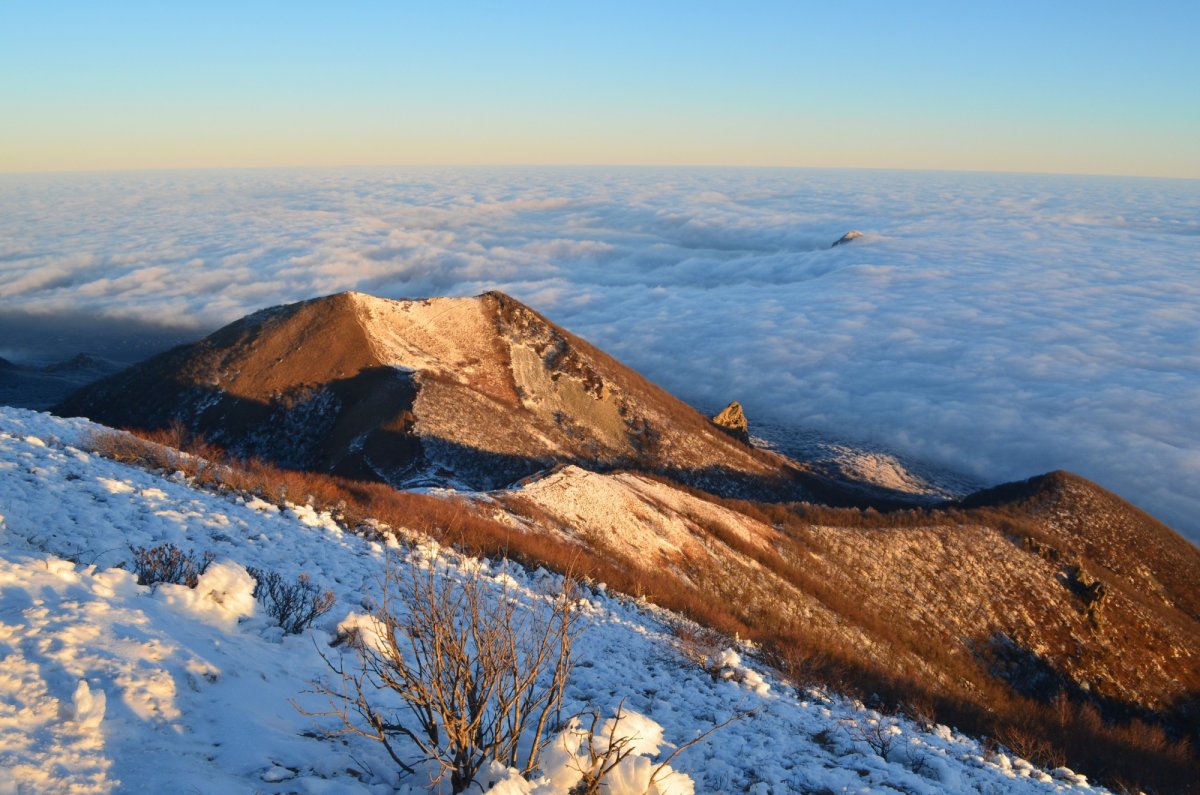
x: 145, y: 86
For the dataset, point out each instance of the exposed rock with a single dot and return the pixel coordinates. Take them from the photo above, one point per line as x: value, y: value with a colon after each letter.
x: 733, y: 420
x: 853, y: 234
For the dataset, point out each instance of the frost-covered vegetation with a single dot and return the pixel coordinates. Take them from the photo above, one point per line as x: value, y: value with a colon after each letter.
x: 110, y: 684
x: 843, y: 599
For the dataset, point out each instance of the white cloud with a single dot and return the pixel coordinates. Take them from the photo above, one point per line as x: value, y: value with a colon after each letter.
x: 999, y: 325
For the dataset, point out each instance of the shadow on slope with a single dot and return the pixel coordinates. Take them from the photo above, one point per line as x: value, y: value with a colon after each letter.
x: 968, y: 696
x: 363, y: 427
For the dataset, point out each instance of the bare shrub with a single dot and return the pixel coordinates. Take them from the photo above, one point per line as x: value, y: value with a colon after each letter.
x: 920, y: 711
x: 476, y: 676
x: 1027, y: 744
x: 700, y: 646
x: 604, y: 750
x: 879, y: 735
x: 168, y: 563
x: 917, y: 760
x: 293, y: 605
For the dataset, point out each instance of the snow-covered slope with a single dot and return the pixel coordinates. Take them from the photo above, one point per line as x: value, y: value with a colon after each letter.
x: 111, y: 686
x: 635, y: 517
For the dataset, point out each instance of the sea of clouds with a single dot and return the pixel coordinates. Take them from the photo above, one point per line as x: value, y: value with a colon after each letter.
x: 996, y: 325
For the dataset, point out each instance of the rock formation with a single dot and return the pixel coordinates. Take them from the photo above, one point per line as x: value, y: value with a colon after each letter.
x: 733, y: 420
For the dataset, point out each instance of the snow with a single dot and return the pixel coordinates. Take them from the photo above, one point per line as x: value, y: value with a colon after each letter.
x: 636, y: 516
x: 222, y: 597
x: 449, y: 336
x: 439, y: 334
x: 111, y: 686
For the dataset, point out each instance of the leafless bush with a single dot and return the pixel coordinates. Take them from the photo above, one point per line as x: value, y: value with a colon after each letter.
x: 168, y: 563
x: 701, y: 646
x: 921, y: 712
x: 476, y: 676
x: 1027, y: 744
x: 916, y: 759
x: 605, y: 750
x: 293, y: 605
x: 879, y: 735
x: 604, y: 753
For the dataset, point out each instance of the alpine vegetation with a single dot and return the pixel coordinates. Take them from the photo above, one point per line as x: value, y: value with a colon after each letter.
x: 207, y: 684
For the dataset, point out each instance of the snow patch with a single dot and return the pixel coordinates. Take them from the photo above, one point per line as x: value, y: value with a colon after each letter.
x: 223, y: 596
x: 88, y: 705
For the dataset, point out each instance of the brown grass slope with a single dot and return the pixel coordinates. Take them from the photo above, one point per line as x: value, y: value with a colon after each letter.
x: 1082, y: 520
x: 293, y: 384
x: 958, y: 615
x: 993, y: 617
x: 975, y: 582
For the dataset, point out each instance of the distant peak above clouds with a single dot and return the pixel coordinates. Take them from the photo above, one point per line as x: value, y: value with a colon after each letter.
x: 853, y: 234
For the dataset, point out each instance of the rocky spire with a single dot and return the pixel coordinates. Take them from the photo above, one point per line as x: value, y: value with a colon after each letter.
x: 733, y: 420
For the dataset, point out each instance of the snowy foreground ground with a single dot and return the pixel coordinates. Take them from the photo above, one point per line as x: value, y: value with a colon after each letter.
x: 110, y: 686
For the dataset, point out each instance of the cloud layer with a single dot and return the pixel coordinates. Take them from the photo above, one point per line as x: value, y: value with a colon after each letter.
x: 998, y: 325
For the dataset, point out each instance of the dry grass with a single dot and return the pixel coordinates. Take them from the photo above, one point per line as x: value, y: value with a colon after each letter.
x: 1126, y: 753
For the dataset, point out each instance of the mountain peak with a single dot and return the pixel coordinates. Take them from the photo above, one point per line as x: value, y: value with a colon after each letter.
x: 1083, y: 519
x: 476, y: 391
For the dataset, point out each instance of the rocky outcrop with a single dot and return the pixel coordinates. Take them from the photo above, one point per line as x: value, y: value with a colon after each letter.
x: 733, y: 421
x: 853, y: 234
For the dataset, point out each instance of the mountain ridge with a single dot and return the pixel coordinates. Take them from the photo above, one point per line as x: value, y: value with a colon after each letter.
x: 476, y: 391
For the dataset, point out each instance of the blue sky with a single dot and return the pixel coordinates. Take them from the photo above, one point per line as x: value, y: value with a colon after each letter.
x: 1062, y: 87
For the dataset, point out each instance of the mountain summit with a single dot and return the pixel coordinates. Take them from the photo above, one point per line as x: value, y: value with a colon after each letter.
x: 475, y: 391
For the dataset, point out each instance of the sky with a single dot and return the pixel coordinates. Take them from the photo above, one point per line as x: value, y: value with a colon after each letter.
x: 1063, y: 87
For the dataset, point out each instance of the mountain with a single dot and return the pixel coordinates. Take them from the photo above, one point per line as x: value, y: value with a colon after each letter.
x: 1094, y: 608
x: 1049, y: 613
x: 1058, y: 619
x: 1075, y: 520
x: 470, y: 392
x: 40, y: 387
